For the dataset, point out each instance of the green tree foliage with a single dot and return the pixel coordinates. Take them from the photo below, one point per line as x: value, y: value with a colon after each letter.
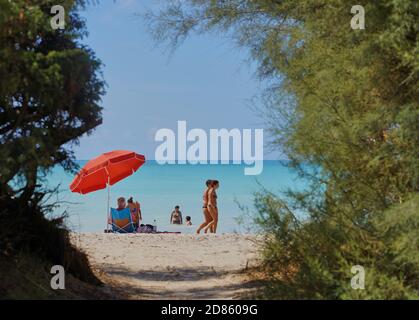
x: 50, y: 90
x: 344, y: 109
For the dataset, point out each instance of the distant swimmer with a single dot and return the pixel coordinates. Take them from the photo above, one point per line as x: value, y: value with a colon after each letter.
x: 176, y: 216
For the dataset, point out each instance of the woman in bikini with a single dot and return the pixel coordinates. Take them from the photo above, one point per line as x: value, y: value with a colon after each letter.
x: 207, y: 215
x: 212, y: 207
x: 134, y: 208
x: 176, y: 216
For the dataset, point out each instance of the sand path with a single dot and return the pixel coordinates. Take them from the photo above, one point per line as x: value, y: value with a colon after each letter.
x: 173, y: 266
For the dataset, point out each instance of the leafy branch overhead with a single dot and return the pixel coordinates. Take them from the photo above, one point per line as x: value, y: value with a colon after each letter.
x: 50, y: 90
x: 343, y: 107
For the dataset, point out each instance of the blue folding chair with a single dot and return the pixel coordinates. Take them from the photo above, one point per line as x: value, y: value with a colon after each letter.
x: 121, y: 221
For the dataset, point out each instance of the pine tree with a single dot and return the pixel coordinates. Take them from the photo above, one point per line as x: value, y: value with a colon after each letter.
x: 344, y: 109
x: 50, y: 91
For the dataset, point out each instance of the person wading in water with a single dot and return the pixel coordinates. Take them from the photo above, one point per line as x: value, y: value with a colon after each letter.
x: 176, y: 216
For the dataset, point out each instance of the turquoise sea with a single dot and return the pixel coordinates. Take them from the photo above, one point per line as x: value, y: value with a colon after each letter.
x: 159, y: 188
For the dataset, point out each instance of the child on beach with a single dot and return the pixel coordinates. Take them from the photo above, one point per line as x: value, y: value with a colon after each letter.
x: 188, y: 221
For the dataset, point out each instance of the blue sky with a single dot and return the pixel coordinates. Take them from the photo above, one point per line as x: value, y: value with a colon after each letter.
x: 205, y: 82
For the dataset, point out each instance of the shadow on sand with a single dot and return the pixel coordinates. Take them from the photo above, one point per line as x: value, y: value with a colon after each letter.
x: 198, y: 283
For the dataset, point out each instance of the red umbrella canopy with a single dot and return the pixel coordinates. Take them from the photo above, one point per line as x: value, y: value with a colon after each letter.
x: 109, y: 167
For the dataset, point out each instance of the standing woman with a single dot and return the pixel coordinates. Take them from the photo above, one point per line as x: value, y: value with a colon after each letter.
x: 176, y: 216
x: 135, y: 210
x: 212, y: 207
x: 207, y: 215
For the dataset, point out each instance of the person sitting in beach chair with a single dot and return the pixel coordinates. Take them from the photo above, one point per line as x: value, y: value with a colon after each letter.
x: 176, y: 216
x: 121, y: 219
x: 121, y: 203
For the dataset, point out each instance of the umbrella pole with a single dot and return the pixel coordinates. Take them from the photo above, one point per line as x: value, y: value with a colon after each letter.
x: 108, y: 213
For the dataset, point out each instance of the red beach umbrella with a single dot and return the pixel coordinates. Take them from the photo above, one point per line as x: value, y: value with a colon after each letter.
x: 106, y: 170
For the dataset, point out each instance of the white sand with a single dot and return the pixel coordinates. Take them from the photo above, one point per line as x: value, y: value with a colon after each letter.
x: 173, y: 266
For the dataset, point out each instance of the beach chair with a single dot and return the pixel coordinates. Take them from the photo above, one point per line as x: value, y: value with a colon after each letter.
x: 121, y: 221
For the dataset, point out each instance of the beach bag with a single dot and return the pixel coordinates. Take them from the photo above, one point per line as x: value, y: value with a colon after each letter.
x: 147, y: 228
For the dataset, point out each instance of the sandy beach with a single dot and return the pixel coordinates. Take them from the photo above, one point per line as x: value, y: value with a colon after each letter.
x: 173, y: 266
